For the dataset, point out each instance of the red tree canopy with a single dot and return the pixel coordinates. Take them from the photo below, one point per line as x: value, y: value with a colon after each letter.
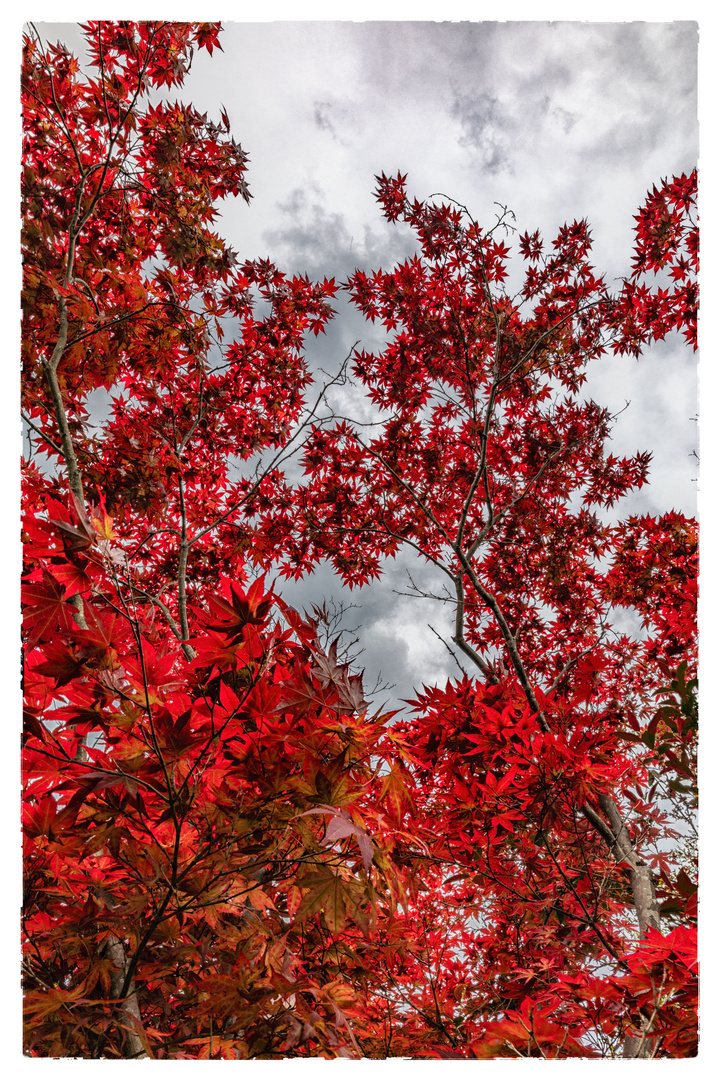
x: 228, y: 853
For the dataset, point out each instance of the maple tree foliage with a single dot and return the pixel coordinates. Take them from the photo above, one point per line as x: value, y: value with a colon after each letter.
x: 227, y: 853
x: 542, y: 778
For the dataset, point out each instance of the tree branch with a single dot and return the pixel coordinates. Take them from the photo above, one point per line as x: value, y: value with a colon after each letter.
x: 50, y: 368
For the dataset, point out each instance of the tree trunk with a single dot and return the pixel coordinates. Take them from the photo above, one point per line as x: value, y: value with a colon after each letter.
x: 646, y: 905
x: 127, y: 1011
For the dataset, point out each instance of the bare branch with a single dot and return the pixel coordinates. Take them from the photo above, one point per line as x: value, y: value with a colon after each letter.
x: 43, y: 436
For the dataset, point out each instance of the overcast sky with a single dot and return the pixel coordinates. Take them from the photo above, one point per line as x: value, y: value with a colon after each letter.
x: 555, y: 120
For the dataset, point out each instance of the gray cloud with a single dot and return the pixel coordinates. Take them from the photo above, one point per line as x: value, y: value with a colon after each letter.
x: 337, y: 118
x: 321, y: 115
x: 310, y: 237
x: 488, y: 130
x: 563, y: 118
x: 560, y: 96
